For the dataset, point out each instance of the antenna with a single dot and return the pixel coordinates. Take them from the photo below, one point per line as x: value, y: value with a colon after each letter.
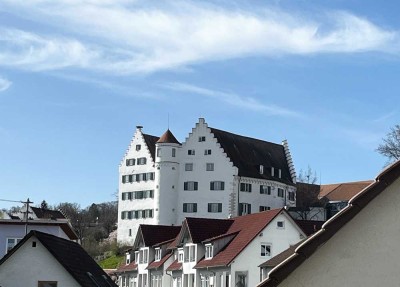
x: 168, y: 120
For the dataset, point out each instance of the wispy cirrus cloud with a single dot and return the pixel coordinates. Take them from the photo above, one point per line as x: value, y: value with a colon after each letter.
x: 132, y: 37
x: 232, y: 99
x: 4, y: 84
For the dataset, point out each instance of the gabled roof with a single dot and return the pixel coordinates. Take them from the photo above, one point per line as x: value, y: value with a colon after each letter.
x: 310, y: 245
x: 158, y: 264
x: 47, y: 213
x: 168, y: 137
x: 247, y: 154
x: 342, y: 191
x: 155, y: 234
x: 151, y: 144
x: 247, y: 228
x: 71, y: 256
x: 279, y: 258
x: 127, y: 267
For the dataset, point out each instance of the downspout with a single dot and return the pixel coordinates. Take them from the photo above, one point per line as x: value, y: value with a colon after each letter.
x: 238, y: 201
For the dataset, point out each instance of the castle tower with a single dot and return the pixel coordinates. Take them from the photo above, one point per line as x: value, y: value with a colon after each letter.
x: 166, y: 179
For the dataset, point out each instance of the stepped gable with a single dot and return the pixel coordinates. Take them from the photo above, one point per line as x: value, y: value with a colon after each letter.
x: 71, y: 256
x: 168, y: 137
x: 247, y: 228
x: 47, y: 213
x: 153, y: 234
x: 247, y: 154
x: 151, y: 144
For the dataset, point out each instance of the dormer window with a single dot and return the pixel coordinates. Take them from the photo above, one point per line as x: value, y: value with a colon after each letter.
x: 143, y: 256
x: 128, y: 258
x: 158, y: 254
x: 190, y: 253
x: 272, y: 171
x: 180, y: 255
x: 261, y: 169
x: 136, y: 257
x: 209, y: 251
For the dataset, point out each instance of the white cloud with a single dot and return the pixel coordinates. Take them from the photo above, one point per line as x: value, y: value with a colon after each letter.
x: 128, y: 37
x: 242, y: 102
x: 4, y: 84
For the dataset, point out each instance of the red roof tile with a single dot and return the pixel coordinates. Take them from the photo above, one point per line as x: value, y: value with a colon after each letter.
x: 342, y: 191
x: 127, y: 267
x: 168, y: 137
x: 158, y: 264
x: 248, y: 227
x: 175, y: 266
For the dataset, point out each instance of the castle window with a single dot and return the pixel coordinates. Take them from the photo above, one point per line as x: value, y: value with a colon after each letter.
x: 130, y: 162
x: 202, y: 139
x: 280, y: 192
x: 261, y: 169
x: 207, y: 152
x: 190, y: 207
x: 188, y: 166
x: 159, y: 152
x: 217, y: 185
x: 173, y: 152
x: 141, y: 161
x: 246, y: 187
x: 264, y: 189
x: 215, y: 207
x: 138, y: 147
x: 291, y: 195
x: 190, y: 185
x: 209, y: 166
x: 191, y: 152
x: 244, y: 208
x: 264, y: 208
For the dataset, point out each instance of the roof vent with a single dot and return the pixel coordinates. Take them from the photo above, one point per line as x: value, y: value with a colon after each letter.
x: 139, y: 127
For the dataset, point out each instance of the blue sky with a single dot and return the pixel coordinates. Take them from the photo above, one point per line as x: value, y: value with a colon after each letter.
x: 77, y: 76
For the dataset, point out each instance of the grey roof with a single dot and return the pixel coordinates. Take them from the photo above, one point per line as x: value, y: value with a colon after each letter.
x: 72, y: 257
x: 151, y: 144
x: 247, y: 154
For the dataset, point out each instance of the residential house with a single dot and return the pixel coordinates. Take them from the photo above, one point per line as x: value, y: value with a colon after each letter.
x: 212, y: 174
x: 356, y: 247
x: 146, y: 262
x: 44, y: 260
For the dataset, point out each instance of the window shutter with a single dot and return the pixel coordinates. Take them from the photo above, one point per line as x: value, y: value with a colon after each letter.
x: 184, y: 207
x: 185, y: 186
x: 195, y: 207
x: 211, y: 185
x: 249, y: 208
x: 250, y: 187
x: 222, y: 185
x: 240, y: 208
x: 195, y: 185
x: 219, y: 207
x: 123, y: 179
x: 209, y: 207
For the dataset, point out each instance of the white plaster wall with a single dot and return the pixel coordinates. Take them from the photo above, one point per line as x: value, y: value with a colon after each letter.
x: 138, y: 204
x: 30, y: 264
x: 18, y: 231
x: 280, y: 239
x: 365, y: 252
x: 223, y: 171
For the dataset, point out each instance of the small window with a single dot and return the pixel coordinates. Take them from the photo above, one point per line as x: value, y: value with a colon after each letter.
x: 244, y: 208
x: 264, y: 189
x: 180, y: 255
x: 138, y: 147
x: 265, y: 250
x: 47, y: 283
x: 207, y: 152
x: 291, y: 196
x: 217, y: 185
x: 215, y: 207
x: 190, y: 185
x: 159, y: 152
x: 246, y: 187
x: 202, y: 139
x: 280, y: 224
x: 190, y: 207
x: 130, y: 232
x: 264, y: 208
x: 261, y: 169
x: 141, y: 161
x: 188, y: 166
x: 191, y: 152
x: 280, y: 192
x: 130, y: 162
x: 209, y: 166
x: 158, y: 254
x: 209, y: 251
x: 173, y: 152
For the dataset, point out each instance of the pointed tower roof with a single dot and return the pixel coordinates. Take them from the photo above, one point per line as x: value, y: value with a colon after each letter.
x: 168, y: 137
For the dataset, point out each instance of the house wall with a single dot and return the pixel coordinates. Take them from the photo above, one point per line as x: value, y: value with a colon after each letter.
x: 135, y: 204
x: 30, y: 264
x: 18, y: 231
x: 280, y: 239
x: 364, y: 252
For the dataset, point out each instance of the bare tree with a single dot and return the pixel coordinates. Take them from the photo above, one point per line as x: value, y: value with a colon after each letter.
x: 390, y: 147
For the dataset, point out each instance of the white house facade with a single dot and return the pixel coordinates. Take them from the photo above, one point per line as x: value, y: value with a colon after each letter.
x: 212, y: 174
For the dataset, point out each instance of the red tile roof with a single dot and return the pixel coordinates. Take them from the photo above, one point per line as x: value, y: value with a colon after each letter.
x: 310, y: 245
x: 127, y: 267
x: 175, y: 266
x: 247, y: 227
x: 158, y: 264
x: 168, y: 137
x: 274, y: 261
x: 342, y: 191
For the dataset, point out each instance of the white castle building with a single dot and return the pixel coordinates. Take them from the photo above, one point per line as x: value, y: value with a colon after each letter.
x: 212, y: 174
